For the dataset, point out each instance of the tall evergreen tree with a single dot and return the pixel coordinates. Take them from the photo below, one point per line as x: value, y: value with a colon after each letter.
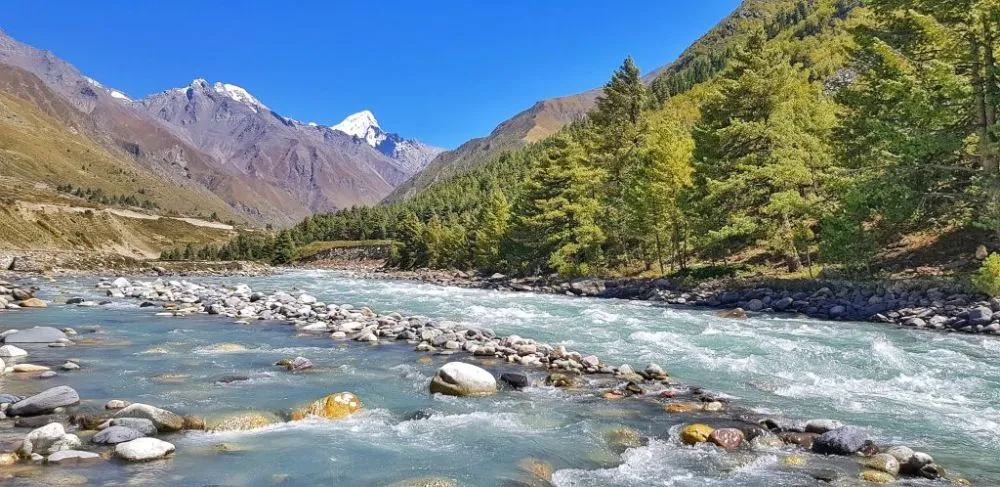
x: 615, y: 138
x: 761, y: 154
x: 284, y: 248
x: 920, y: 126
x: 493, y: 224
x: 559, y: 213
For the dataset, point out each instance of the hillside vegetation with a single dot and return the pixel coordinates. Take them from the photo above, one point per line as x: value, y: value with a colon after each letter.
x: 813, y: 132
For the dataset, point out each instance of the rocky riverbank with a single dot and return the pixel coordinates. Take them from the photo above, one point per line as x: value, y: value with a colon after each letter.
x: 18, y: 262
x: 920, y: 304
x: 715, y: 420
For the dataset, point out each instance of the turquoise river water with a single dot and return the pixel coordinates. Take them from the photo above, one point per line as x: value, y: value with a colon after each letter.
x: 935, y: 392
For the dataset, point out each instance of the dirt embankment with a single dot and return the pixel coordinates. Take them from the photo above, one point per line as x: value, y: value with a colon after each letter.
x: 52, y: 227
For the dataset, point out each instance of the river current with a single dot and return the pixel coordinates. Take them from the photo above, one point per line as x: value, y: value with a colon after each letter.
x: 935, y: 392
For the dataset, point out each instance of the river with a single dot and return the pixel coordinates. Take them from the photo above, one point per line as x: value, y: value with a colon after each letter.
x: 934, y: 392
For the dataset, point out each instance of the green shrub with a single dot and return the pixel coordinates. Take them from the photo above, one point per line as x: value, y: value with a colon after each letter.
x: 987, y: 280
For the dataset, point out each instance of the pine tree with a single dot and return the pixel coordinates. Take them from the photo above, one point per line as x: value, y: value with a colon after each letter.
x: 620, y: 127
x: 761, y: 155
x: 558, y: 217
x: 919, y: 133
x: 410, y: 236
x: 494, y: 222
x: 284, y: 248
x: 665, y: 170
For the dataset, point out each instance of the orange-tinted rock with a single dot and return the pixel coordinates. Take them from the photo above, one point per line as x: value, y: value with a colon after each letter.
x: 728, y: 438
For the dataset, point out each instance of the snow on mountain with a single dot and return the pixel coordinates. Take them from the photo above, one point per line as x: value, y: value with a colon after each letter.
x: 362, y: 125
x: 119, y: 95
x: 114, y: 93
x: 411, y: 154
x: 240, y: 95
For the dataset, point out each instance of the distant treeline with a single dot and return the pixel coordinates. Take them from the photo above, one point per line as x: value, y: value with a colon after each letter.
x: 99, y: 196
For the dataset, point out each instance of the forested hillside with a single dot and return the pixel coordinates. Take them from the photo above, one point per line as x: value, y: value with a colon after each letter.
x: 815, y: 131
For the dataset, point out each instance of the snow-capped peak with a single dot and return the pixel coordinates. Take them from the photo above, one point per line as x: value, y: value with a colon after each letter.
x: 230, y: 91
x: 357, y: 124
x: 239, y: 94
x: 362, y: 125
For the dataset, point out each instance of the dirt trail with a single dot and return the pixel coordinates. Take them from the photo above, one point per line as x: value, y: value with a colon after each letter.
x: 47, y: 207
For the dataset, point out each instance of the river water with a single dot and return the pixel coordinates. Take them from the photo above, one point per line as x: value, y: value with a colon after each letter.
x: 934, y: 392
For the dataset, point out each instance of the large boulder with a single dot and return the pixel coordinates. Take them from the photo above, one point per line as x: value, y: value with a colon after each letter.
x: 40, y: 440
x: 44, y: 402
x: 38, y: 334
x: 846, y: 440
x: 163, y: 419
x: 462, y: 379
x: 143, y: 449
x: 114, y: 435
x: 334, y: 406
x: 10, y: 351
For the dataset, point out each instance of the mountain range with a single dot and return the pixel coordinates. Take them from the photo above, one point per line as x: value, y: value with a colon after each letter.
x: 214, y: 148
x: 224, y: 152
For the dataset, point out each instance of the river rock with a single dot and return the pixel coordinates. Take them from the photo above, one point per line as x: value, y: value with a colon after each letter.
x: 980, y: 315
x: 143, y: 449
x: 163, y: 419
x: 41, y: 439
x: 142, y: 425
x: 845, y: 440
x: 33, y: 303
x: 558, y: 380
x: 682, y: 407
x: 876, y: 477
x: 29, y: 368
x: 9, y: 398
x: 728, y: 438
x: 38, y: 334
x: 44, y: 402
x: 334, y: 406
x: 696, y: 433
x: 68, y: 366
x: 915, y: 462
x: 805, y: 440
x: 622, y: 438
x: 117, y: 404
x: 73, y: 457
x: 884, y: 462
x: 247, y: 421
x: 822, y: 425
x: 736, y: 313
x: 462, y: 379
x: 655, y: 372
x: 10, y: 351
x: 515, y: 380
x: 114, y: 435
x: 299, y: 363
x: 902, y: 454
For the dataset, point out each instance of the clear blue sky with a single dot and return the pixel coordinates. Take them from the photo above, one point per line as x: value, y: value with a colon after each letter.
x: 440, y: 71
